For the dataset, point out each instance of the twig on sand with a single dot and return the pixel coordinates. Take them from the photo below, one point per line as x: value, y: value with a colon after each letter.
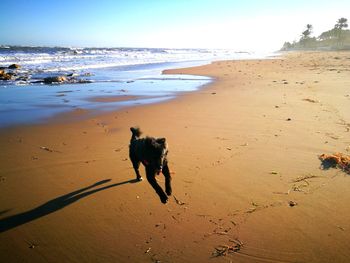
x: 175, y: 218
x: 203, y: 215
x: 303, y: 178
x: 225, y: 232
x: 48, y: 149
x: 311, y: 100
x: 224, y: 250
x: 178, y: 201
x: 281, y: 193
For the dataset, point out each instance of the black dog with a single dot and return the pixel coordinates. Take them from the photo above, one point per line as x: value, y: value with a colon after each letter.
x: 152, y: 153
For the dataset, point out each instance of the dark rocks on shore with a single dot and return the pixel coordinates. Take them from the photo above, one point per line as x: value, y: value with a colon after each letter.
x: 11, y: 73
x: 57, y: 79
x: 5, y: 76
x: 64, y: 79
x: 7, y: 73
x: 80, y: 81
x: 72, y: 74
x: 14, y: 66
x: 22, y: 78
x: 88, y: 74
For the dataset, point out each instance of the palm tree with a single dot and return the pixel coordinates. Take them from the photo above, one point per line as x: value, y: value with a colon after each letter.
x: 338, y: 28
x: 306, y: 34
x: 305, y: 39
x: 342, y: 23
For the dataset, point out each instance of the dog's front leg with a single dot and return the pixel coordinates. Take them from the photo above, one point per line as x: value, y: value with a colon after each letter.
x: 150, y: 173
x: 136, y: 165
x: 167, y: 176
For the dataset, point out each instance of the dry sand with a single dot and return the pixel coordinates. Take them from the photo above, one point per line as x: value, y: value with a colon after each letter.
x: 241, y: 149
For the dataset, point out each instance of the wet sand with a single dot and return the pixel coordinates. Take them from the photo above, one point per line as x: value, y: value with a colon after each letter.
x: 244, y: 160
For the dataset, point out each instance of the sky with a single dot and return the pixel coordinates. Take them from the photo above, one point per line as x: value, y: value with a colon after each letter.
x: 249, y: 25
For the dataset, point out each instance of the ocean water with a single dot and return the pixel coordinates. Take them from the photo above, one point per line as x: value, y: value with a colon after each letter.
x: 134, y: 74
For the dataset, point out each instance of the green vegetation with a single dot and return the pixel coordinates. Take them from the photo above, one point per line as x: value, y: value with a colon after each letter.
x: 337, y: 38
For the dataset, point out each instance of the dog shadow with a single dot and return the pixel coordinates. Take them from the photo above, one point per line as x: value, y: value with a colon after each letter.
x: 54, y: 205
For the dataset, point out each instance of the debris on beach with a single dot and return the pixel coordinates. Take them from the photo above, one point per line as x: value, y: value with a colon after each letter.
x: 332, y: 136
x: 311, y: 100
x: 48, y: 149
x: 45, y: 149
x: 178, y: 201
x: 281, y: 193
x: 32, y: 245
x: 175, y: 218
x: 224, y: 250
x: 251, y: 210
x: 292, y: 203
x: 303, y: 178
x: 337, y: 160
x: 341, y: 228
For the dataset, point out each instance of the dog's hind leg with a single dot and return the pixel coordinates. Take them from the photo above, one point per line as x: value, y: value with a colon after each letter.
x: 150, y: 173
x: 167, y: 176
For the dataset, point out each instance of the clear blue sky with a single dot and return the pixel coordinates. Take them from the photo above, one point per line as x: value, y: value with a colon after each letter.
x: 249, y: 24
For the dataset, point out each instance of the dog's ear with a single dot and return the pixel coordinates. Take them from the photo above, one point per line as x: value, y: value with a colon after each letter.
x: 161, y: 141
x: 136, y: 131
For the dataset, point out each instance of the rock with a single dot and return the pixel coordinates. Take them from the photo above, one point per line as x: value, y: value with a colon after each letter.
x: 57, y: 79
x: 5, y: 76
x: 82, y: 81
x: 22, y: 78
x: 73, y: 80
x: 14, y: 66
x: 72, y: 75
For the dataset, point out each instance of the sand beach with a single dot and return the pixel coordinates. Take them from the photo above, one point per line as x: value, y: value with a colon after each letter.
x: 243, y: 153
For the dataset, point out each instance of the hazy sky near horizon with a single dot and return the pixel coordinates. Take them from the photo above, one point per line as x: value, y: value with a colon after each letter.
x: 241, y: 25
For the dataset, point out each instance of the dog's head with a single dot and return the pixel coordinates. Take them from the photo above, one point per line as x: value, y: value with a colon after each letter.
x: 158, y: 150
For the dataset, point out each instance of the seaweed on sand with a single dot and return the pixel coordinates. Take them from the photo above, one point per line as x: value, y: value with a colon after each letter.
x: 337, y: 160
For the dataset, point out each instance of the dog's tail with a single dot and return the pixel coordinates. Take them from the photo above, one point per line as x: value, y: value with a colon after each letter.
x: 136, y: 133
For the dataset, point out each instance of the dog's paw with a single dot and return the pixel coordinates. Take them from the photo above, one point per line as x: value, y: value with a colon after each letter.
x: 164, y: 200
x: 139, y: 179
x: 168, y: 191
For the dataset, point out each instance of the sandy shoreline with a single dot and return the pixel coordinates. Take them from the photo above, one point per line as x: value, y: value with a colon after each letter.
x: 240, y: 150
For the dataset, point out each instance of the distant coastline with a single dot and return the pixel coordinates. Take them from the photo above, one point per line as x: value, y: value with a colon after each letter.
x: 37, y: 83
